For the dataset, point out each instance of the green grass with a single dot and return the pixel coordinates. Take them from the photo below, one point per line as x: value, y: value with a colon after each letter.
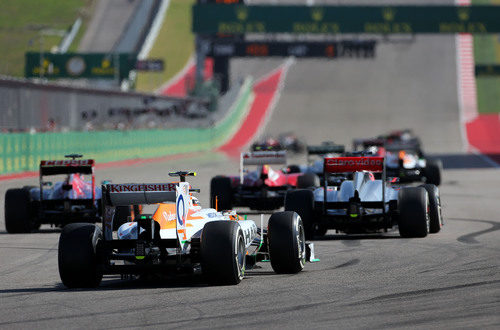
x: 21, y: 22
x: 486, y: 2
x: 487, y: 51
x: 174, y: 44
x: 488, y: 94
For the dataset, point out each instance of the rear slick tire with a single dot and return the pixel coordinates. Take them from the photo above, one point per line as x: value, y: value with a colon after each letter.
x: 79, y: 262
x: 301, y: 201
x: 223, y: 252
x: 308, y: 180
x: 433, y: 172
x: 435, y: 216
x: 19, y: 217
x: 413, y: 203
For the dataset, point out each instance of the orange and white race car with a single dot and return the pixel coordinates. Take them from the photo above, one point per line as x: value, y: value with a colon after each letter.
x: 180, y: 236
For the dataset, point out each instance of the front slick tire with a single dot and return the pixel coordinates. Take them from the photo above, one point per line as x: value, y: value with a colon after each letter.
x: 222, y: 192
x: 286, y: 239
x: 308, y: 180
x: 223, y: 252
x: 79, y: 264
x: 302, y: 202
x: 433, y: 172
x: 413, y: 212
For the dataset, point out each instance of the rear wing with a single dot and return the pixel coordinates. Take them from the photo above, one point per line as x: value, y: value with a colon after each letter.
x: 262, y: 147
x: 66, y: 166
x: 138, y: 193
x: 146, y: 193
x: 326, y: 149
x: 351, y: 165
x: 261, y: 158
x: 409, y: 145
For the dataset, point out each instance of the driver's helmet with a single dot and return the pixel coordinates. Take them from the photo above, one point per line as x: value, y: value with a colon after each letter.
x: 195, y: 202
x: 272, y: 142
x: 373, y: 150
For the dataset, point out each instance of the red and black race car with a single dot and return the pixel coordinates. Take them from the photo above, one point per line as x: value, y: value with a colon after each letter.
x: 71, y: 198
x: 261, y: 189
x: 405, y: 158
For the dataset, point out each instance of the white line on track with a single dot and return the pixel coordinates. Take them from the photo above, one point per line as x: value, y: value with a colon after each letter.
x: 466, y: 83
x: 155, y: 29
x: 460, y: 91
x: 466, y: 87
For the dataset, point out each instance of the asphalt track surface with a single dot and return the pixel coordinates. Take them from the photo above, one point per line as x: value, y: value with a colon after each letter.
x: 109, y: 20
x: 446, y: 280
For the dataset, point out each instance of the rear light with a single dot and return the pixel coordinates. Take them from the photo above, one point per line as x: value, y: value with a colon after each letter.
x: 354, y: 210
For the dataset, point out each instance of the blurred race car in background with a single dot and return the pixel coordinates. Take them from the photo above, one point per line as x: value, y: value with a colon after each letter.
x: 364, y: 204
x: 73, y: 199
x: 286, y: 141
x: 313, y: 170
x: 180, y: 237
x: 405, y: 136
x: 261, y: 189
x: 408, y: 164
x: 405, y: 157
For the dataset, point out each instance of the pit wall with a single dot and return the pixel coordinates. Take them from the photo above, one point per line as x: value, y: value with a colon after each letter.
x: 21, y: 152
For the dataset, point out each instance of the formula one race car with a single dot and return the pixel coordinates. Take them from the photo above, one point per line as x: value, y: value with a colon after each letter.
x: 180, y: 237
x: 405, y: 136
x: 285, y: 141
x: 268, y: 144
x: 73, y: 199
x: 70, y: 200
x: 404, y: 155
x: 364, y: 204
x: 315, y: 166
x: 408, y: 163
x: 261, y: 189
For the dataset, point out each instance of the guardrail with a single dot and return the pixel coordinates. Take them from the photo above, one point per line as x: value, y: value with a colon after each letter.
x: 23, y: 151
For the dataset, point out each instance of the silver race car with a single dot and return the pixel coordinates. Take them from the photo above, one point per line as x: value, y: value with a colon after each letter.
x: 361, y: 203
